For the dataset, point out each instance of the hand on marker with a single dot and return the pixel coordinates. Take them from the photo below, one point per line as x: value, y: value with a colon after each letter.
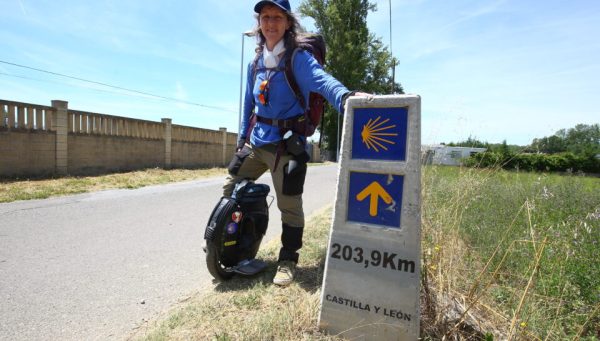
x: 364, y: 94
x: 352, y: 94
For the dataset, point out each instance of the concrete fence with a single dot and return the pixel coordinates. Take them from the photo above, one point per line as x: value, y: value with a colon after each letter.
x: 37, y: 140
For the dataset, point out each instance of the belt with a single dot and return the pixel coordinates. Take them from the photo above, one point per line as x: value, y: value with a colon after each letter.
x: 280, y: 123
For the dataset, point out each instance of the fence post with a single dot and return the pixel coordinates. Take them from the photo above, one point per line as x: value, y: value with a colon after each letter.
x: 224, y: 131
x: 167, y: 123
x: 316, y: 153
x: 60, y: 126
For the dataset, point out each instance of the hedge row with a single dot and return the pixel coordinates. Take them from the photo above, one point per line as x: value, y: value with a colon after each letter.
x: 563, y: 162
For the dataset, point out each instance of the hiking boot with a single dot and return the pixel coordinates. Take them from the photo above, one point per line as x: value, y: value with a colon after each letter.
x: 285, y: 273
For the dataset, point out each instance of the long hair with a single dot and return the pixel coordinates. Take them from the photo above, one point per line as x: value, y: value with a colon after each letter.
x: 289, y: 38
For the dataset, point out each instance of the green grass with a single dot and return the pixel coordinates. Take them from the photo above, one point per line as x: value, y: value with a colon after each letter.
x: 523, y: 247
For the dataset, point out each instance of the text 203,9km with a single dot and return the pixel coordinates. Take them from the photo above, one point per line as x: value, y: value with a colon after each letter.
x: 383, y: 259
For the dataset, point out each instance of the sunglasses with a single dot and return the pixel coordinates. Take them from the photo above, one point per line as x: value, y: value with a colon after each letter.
x: 263, y: 88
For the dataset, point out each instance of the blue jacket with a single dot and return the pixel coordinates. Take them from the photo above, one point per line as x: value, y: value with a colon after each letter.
x: 282, y: 103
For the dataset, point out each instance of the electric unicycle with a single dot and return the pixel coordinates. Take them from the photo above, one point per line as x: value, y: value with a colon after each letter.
x: 235, y: 230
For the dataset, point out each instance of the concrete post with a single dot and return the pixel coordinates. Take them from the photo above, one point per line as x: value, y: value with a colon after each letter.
x: 167, y: 123
x: 316, y: 156
x: 60, y: 125
x: 224, y: 131
x: 372, y: 271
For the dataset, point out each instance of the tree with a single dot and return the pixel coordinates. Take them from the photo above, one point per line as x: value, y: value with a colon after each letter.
x: 354, y: 56
x: 583, y: 139
x: 380, y: 63
x: 549, y: 145
x: 500, y: 148
x: 504, y: 149
x: 472, y: 142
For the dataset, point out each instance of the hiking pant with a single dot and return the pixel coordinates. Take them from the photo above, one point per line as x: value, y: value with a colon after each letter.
x: 254, y: 165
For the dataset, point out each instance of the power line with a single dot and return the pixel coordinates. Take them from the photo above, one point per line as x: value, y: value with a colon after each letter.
x: 74, y: 85
x: 117, y: 87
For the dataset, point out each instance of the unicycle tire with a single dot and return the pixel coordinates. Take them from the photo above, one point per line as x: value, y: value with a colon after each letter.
x: 213, y: 263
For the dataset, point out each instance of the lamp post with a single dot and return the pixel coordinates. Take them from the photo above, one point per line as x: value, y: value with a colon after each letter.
x: 244, y: 34
x: 392, y: 52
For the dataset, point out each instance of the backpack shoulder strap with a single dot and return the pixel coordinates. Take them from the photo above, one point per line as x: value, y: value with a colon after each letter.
x: 291, y: 79
x: 254, y: 70
x: 252, y: 117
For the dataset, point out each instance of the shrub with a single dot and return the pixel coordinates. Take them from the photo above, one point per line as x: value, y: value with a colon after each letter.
x: 562, y: 162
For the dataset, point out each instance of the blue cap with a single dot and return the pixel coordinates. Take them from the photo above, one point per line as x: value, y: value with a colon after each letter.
x: 283, y: 4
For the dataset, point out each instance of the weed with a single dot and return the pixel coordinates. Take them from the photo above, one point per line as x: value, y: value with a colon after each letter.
x: 528, y: 243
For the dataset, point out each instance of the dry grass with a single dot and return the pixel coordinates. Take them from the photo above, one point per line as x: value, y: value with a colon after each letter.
x: 254, y: 308
x: 12, y: 190
x: 499, y: 252
x: 27, y: 189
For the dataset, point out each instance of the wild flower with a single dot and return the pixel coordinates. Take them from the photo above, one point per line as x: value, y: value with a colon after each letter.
x: 594, y: 215
x: 546, y: 194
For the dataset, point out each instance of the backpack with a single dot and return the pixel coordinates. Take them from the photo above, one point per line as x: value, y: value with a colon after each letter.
x: 305, y: 124
x: 315, y: 45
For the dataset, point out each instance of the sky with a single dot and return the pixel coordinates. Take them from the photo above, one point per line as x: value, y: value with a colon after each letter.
x: 499, y: 70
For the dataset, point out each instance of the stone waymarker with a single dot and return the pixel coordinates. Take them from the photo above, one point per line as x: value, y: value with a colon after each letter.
x: 371, y: 282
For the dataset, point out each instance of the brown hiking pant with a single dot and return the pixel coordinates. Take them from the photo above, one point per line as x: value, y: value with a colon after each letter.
x: 254, y: 165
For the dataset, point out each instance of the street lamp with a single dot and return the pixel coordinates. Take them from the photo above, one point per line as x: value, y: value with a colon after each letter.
x: 244, y: 34
x: 392, y: 53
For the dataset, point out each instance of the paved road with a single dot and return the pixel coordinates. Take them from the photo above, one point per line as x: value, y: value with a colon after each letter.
x: 79, y: 267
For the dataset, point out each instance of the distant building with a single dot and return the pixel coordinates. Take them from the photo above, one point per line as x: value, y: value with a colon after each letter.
x: 446, y: 155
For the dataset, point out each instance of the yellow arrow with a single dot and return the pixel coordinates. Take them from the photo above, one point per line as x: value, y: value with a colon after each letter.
x: 375, y: 191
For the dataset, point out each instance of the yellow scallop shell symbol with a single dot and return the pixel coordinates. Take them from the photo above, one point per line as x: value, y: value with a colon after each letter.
x: 373, y: 131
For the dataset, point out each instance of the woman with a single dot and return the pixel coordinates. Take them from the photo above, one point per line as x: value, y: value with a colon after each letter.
x: 268, y: 95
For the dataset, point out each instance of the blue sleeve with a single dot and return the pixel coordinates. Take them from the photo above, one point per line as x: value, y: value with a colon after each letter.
x: 312, y: 78
x: 248, y: 101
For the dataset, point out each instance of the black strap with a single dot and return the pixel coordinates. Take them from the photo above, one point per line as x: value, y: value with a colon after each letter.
x: 291, y: 79
x: 280, y: 123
